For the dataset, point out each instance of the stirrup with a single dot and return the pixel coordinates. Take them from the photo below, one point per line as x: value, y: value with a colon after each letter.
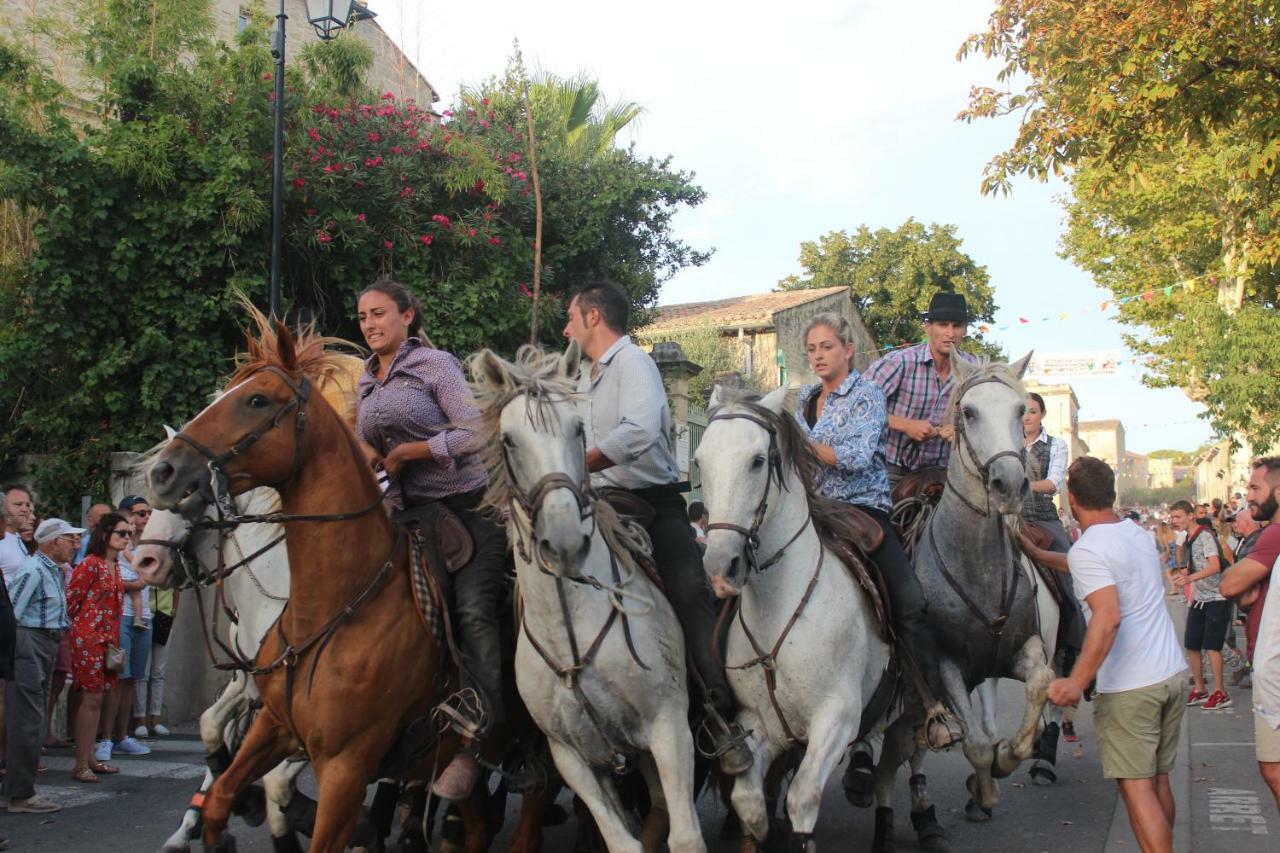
x: 726, y: 739
x: 941, y: 716
x: 463, y: 712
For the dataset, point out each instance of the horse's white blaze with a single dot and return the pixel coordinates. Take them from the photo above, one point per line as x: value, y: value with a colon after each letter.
x: 832, y: 659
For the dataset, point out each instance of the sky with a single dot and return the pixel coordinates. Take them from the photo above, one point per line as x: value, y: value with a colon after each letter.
x: 824, y: 117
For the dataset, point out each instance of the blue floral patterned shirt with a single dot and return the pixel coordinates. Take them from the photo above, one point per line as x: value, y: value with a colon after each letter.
x: 855, y: 424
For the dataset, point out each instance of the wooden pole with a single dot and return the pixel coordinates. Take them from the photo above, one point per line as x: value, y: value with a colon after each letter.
x: 537, y: 223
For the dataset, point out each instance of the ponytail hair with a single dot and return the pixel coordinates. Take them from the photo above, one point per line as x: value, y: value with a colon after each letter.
x: 838, y: 324
x: 405, y: 301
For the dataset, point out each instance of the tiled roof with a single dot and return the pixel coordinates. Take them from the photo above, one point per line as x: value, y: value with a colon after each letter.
x: 750, y: 312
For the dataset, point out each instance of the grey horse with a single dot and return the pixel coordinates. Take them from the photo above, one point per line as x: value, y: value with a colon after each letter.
x: 992, y: 617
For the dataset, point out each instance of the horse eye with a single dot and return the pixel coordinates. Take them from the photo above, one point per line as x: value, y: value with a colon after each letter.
x: 507, y: 442
x: 757, y: 463
x: 970, y: 413
x: 258, y: 401
x: 579, y: 430
x: 1022, y: 410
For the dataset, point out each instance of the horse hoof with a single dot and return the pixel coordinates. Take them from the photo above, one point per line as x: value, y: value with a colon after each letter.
x: 251, y: 805
x: 226, y: 843
x: 858, y: 783
x: 285, y: 844
x: 803, y: 842
x: 929, y: 834
x: 975, y: 813
x: 748, y: 844
x: 730, y: 827
x: 1042, y: 774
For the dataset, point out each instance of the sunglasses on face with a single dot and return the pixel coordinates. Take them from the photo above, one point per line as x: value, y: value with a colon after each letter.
x: 120, y: 532
x: 143, y: 512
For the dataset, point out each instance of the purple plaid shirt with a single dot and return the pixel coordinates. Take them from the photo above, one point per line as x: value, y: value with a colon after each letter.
x: 913, y: 389
x: 423, y: 397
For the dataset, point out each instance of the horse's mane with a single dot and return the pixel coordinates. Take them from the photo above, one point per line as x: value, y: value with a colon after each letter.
x: 320, y: 358
x: 536, y: 375
x: 830, y: 517
x: 986, y: 369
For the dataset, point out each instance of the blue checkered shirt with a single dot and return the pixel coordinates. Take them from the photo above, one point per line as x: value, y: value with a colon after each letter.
x: 39, y: 599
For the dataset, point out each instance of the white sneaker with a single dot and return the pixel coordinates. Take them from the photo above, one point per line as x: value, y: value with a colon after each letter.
x: 160, y: 730
x: 129, y: 746
x: 103, y: 751
x: 141, y: 731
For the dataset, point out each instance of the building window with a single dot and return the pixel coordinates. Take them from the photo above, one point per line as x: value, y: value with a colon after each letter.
x: 242, y: 19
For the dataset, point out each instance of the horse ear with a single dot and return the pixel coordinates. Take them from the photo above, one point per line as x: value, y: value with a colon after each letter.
x: 960, y: 369
x: 487, y: 367
x: 285, y: 347
x: 571, y: 361
x: 776, y: 400
x: 169, y: 432
x: 1019, y: 367
x: 714, y: 402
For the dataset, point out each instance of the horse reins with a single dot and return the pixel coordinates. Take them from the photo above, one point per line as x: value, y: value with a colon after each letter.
x: 1008, y: 586
x: 767, y: 661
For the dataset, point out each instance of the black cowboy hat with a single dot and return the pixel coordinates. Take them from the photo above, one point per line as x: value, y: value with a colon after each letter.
x: 947, y: 307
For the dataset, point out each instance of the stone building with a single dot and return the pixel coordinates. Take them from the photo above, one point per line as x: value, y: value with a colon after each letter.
x: 392, y: 71
x: 1105, y: 440
x: 766, y: 330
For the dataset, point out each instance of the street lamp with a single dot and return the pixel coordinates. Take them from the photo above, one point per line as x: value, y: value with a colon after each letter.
x: 328, y: 17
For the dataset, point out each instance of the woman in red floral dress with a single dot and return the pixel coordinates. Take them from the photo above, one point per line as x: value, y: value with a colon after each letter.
x: 95, y: 597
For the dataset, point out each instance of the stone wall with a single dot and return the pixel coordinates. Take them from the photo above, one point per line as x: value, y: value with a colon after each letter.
x: 790, y: 324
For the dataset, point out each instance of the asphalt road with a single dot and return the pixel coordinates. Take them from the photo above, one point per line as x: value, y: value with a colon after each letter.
x: 1223, y: 803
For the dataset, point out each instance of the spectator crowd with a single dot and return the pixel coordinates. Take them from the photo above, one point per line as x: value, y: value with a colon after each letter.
x: 75, y: 618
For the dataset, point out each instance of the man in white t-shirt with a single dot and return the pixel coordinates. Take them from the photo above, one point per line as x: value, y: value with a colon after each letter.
x: 1130, y: 648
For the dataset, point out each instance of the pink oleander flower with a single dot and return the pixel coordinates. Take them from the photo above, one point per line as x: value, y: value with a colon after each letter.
x: 426, y: 239
x: 314, y: 134
x: 387, y: 244
x: 299, y: 182
x: 324, y: 236
x: 360, y: 217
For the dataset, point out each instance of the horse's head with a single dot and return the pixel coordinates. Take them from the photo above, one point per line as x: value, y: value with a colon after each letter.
x: 987, y: 406
x: 536, y: 451
x: 165, y: 535
x: 741, y: 457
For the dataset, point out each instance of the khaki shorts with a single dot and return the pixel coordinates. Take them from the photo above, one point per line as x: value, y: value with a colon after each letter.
x: 1138, y: 729
x: 1267, y: 738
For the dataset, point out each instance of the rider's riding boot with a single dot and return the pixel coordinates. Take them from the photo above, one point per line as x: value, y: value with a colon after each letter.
x: 910, y: 620
x: 459, y: 778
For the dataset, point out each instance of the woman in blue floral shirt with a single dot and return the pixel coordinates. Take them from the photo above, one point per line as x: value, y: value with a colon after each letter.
x: 844, y: 416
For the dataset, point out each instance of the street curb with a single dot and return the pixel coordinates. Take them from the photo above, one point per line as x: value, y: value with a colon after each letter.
x: 1120, y: 837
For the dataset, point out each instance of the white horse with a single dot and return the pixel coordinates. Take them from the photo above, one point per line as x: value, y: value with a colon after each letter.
x: 993, y: 617
x: 258, y: 590
x: 804, y: 655
x: 600, y: 659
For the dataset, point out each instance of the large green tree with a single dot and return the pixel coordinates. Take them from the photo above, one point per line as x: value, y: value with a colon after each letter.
x: 148, y: 223
x: 892, y: 275
x: 1165, y: 118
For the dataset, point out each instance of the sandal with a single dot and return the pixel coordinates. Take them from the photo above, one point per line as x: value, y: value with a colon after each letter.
x: 99, y: 767
x: 58, y: 743
x: 85, y: 774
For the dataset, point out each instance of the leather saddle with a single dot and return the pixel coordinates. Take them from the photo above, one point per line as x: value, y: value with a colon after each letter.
x: 629, y: 505
x: 866, y: 533
x: 927, y: 483
x: 1042, y: 539
x: 452, y: 539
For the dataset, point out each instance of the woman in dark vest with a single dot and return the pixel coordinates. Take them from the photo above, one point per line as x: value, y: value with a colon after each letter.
x: 416, y: 422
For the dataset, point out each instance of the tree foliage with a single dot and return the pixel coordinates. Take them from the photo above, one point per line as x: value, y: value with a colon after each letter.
x: 1167, y: 118
x: 892, y: 275
x: 149, y: 223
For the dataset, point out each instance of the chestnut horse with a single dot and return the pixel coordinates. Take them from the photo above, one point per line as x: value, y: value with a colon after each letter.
x: 348, y: 666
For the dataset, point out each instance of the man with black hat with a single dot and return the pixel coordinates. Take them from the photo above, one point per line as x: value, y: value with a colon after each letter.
x: 917, y: 388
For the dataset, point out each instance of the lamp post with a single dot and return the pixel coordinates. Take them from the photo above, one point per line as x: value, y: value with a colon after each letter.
x: 328, y: 17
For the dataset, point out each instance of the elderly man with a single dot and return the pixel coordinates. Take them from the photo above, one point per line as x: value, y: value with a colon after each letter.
x: 40, y: 608
x: 1248, y: 582
x: 917, y: 388
x: 629, y: 445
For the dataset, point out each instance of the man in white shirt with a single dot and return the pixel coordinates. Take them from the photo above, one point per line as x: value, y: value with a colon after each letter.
x: 17, y: 510
x: 1130, y: 648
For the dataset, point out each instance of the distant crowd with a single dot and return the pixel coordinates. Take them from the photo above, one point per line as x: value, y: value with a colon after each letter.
x: 74, y: 614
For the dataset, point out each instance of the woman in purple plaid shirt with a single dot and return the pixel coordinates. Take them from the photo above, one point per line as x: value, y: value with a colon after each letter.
x: 416, y: 422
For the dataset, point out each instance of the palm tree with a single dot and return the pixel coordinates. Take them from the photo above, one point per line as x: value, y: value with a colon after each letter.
x: 577, y: 116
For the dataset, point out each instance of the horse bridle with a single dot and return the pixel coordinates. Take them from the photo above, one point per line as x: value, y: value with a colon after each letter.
x: 531, y: 501
x: 983, y: 469
x: 751, y: 535
x: 219, y: 479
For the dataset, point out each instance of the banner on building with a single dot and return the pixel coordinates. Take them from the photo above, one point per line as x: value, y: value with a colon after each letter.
x: 1058, y: 365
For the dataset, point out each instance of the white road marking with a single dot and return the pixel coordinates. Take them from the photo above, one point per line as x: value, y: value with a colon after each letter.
x: 1236, y: 810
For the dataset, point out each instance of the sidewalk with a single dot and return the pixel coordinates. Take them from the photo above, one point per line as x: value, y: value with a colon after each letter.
x: 1222, y: 802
